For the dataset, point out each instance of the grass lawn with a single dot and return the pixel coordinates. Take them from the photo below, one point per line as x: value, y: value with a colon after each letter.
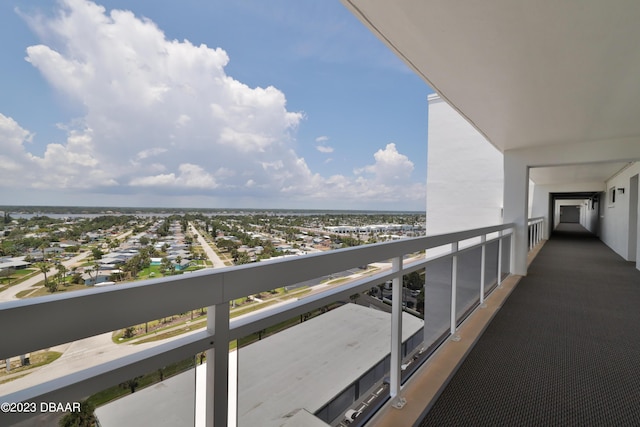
x: 151, y: 272
x: 61, y: 289
x: 143, y: 381
x: 174, y: 332
x: 18, y: 276
x: 36, y: 359
x: 159, y: 330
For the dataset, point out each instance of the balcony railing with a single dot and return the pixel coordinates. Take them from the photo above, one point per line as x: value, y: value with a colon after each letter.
x: 458, y: 279
x: 536, y: 231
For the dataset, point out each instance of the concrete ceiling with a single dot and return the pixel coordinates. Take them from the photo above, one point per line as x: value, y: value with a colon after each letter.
x: 588, y: 173
x: 524, y: 73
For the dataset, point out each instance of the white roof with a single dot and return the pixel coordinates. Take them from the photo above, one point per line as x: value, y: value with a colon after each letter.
x: 169, y: 403
x: 305, y: 367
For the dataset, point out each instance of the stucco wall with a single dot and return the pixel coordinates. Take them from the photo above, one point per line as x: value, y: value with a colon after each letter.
x: 464, y: 174
x: 615, y: 218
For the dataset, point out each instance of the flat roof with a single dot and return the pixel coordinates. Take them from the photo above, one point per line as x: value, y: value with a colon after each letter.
x: 167, y: 403
x: 305, y: 367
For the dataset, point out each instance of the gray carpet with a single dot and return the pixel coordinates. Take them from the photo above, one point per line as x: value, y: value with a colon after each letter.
x: 564, y: 350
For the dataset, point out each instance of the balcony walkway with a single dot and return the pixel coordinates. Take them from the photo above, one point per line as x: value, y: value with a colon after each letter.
x: 563, y: 350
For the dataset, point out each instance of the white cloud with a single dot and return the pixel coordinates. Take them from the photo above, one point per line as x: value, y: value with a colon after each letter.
x: 162, y: 115
x: 324, y: 149
x: 190, y: 176
x: 390, y: 165
x: 150, y: 152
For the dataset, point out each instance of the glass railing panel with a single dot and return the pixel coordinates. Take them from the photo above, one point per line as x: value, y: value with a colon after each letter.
x: 131, y: 397
x: 468, y: 281
x: 506, y: 256
x: 437, y: 300
x: 413, y: 307
x: 160, y: 397
x: 490, y: 267
x: 333, y: 361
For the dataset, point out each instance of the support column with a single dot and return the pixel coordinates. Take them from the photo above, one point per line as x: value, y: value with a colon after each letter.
x: 516, y: 200
x: 217, y: 397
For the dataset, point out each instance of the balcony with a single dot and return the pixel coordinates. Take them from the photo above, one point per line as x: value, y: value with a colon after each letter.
x: 353, y: 358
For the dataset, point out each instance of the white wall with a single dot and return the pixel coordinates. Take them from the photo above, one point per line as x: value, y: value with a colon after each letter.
x: 464, y: 174
x: 615, y: 218
x: 591, y: 211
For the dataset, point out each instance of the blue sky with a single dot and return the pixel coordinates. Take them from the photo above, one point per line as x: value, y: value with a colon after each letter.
x: 279, y: 104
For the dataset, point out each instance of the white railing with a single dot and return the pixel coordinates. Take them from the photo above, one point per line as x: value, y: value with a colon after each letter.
x: 37, y: 323
x: 536, y: 231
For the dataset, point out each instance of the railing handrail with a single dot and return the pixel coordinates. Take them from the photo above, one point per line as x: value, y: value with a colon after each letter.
x: 535, y: 220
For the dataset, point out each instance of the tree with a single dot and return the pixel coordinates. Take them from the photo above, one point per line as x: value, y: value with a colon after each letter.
x: 7, y: 273
x: 94, y: 269
x: 44, y: 269
x: 242, y: 258
x: 97, y: 253
x: 62, y: 274
x: 131, y: 384
x: 83, y: 418
x: 43, y: 246
x: 129, y: 333
x: 165, y: 265
x: 413, y: 281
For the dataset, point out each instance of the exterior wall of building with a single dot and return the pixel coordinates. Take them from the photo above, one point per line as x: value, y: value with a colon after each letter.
x: 619, y: 227
x: 464, y: 174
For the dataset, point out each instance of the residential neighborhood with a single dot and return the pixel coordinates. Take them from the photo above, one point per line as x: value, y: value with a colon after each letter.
x: 126, y: 247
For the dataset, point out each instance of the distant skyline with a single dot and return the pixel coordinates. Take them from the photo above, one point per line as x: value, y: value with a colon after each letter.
x: 247, y: 104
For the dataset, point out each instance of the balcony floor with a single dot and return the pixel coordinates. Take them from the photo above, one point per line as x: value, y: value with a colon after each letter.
x: 563, y: 349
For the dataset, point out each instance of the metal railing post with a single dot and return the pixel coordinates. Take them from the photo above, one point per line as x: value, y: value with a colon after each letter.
x: 483, y: 256
x: 499, y: 276
x: 396, y: 334
x: 217, y: 391
x: 454, y: 286
x: 540, y: 225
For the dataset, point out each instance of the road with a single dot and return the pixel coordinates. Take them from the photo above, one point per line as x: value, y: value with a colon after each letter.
x: 211, y: 254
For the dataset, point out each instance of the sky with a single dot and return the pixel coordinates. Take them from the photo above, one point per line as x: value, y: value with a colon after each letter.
x: 205, y: 103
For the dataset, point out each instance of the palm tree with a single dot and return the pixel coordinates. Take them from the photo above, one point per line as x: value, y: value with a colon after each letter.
x: 44, y: 269
x: 84, y: 418
x: 131, y: 384
x: 62, y: 273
